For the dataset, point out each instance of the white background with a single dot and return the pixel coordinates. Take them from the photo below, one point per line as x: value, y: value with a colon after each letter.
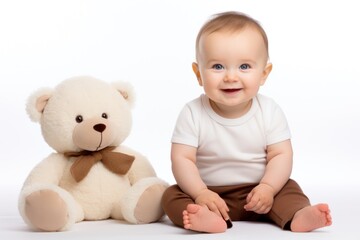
x: 314, y: 47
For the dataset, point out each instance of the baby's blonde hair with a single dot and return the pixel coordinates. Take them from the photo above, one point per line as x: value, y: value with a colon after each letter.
x: 232, y: 22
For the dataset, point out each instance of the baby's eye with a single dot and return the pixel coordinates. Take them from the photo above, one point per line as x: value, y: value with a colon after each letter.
x: 217, y: 66
x: 244, y: 66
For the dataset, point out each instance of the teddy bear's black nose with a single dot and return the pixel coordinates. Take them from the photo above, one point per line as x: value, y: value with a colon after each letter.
x: 100, y: 127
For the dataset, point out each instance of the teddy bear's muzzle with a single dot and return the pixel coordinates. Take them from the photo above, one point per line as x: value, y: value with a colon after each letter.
x: 93, y: 134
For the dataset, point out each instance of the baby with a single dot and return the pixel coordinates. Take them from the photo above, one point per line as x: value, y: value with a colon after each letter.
x: 231, y: 150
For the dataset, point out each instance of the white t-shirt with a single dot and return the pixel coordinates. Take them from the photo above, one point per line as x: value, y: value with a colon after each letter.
x: 231, y: 151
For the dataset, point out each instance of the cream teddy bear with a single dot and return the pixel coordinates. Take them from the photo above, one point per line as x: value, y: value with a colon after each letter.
x: 91, y: 176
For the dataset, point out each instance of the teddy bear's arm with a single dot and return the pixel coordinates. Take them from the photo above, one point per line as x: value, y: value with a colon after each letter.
x: 141, y: 168
x: 48, y: 171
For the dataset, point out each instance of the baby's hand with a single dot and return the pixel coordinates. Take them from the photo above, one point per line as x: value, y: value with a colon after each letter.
x: 260, y: 199
x: 213, y: 202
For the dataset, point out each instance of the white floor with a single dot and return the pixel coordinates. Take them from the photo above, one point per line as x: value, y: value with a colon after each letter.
x: 345, y: 206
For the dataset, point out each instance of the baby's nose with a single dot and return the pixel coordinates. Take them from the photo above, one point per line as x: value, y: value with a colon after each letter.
x: 231, y: 75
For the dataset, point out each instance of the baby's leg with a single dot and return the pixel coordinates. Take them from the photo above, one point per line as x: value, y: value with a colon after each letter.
x: 201, y: 219
x: 310, y: 218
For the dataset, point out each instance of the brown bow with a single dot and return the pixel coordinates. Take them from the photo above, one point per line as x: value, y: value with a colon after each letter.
x: 116, y: 162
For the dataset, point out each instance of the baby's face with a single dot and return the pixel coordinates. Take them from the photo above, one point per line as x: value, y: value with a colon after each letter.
x: 232, y: 66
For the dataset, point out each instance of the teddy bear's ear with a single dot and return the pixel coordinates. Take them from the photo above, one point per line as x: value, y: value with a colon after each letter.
x: 126, y: 90
x: 37, y: 102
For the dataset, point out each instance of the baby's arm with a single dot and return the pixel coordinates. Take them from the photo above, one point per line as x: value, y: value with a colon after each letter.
x: 187, y: 176
x: 277, y: 173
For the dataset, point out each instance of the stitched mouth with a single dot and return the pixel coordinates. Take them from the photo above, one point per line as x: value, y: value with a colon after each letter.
x: 101, y: 139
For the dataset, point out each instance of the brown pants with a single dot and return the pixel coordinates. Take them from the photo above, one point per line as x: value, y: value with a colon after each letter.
x: 287, y: 202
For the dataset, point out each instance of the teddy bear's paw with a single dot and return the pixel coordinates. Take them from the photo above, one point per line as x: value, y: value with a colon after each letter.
x: 148, y: 209
x: 46, y: 210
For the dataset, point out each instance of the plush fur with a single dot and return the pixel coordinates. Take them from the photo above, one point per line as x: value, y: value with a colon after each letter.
x: 51, y: 199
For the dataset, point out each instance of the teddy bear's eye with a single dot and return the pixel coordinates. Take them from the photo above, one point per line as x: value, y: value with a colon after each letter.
x: 104, y: 115
x: 79, y: 119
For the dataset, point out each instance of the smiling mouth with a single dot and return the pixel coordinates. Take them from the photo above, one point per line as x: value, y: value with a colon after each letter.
x: 232, y: 90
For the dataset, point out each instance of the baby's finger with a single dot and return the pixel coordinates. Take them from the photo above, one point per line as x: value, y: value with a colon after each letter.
x: 262, y: 209
x: 251, y: 206
x: 224, y: 214
x: 212, y: 207
x: 249, y: 196
x: 267, y: 209
x: 259, y: 208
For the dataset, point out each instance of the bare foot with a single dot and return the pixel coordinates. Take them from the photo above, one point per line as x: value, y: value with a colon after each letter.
x: 311, y: 217
x: 201, y: 219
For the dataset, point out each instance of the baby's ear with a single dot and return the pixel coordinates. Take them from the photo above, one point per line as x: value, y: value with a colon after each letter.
x: 127, y: 91
x: 266, y: 73
x: 36, y: 103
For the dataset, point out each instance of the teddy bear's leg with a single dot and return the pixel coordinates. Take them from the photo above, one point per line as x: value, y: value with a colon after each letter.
x: 49, y: 208
x: 46, y: 210
x: 148, y: 208
x: 142, y: 203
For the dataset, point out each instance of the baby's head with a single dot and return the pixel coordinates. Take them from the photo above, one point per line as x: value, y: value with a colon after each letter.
x: 230, y: 22
x: 232, y: 60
